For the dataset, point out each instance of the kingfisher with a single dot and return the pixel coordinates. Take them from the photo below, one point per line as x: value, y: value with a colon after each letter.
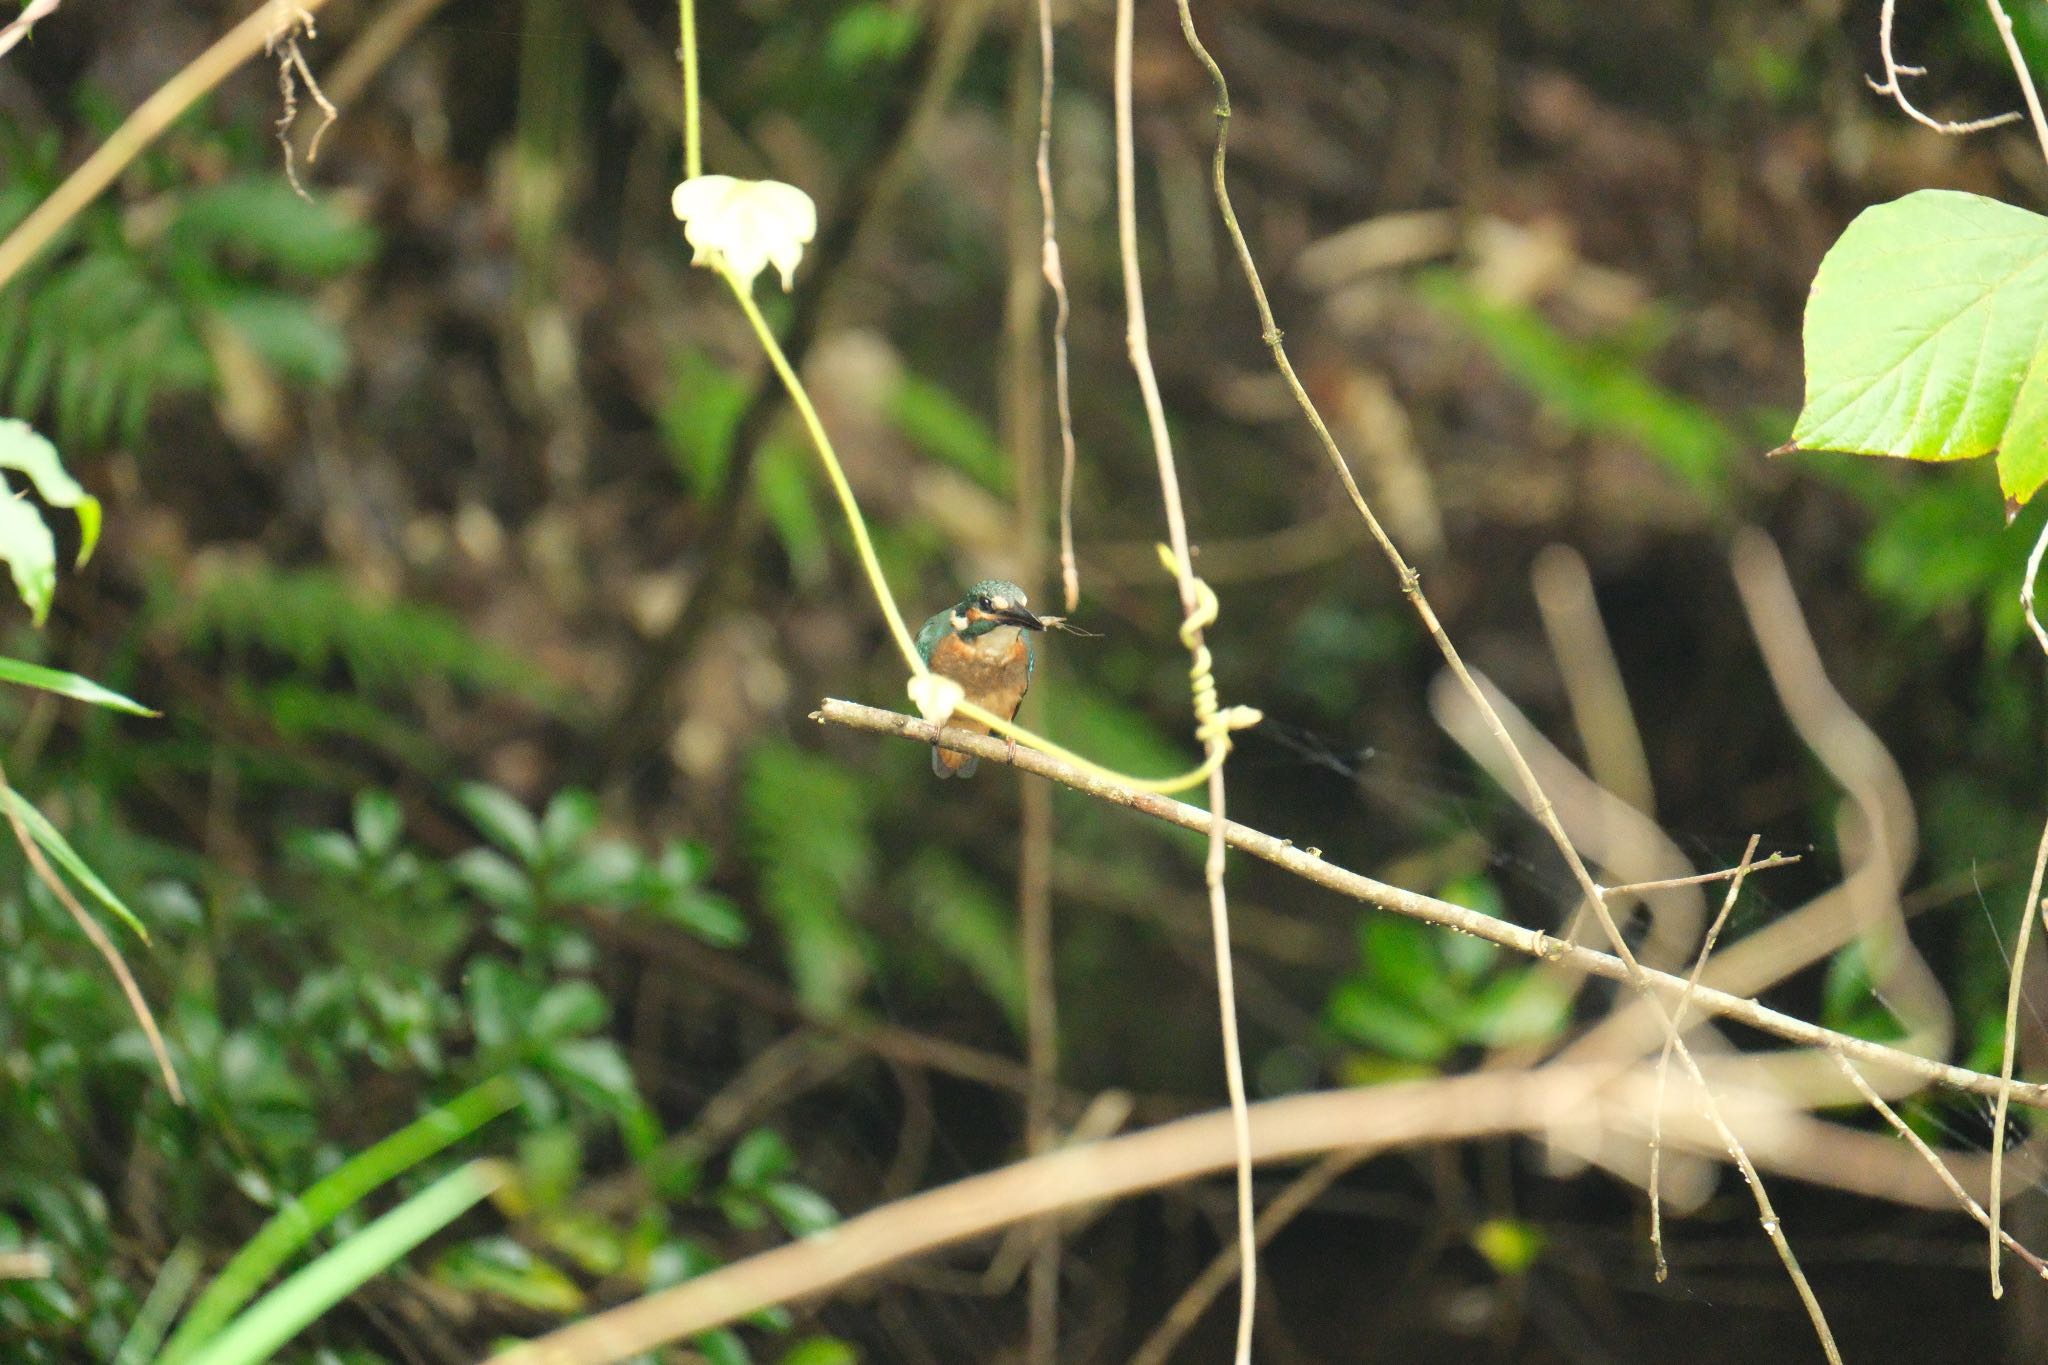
x: 981, y: 644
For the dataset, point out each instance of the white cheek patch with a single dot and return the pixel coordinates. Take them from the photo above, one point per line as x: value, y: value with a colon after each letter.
x: 959, y: 621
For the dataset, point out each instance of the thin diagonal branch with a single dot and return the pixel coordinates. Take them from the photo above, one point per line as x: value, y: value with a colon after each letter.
x: 1692, y: 984
x: 1533, y: 795
x: 1312, y: 867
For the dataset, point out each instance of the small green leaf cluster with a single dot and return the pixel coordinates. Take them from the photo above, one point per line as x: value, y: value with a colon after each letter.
x: 1420, y: 994
x: 25, y: 540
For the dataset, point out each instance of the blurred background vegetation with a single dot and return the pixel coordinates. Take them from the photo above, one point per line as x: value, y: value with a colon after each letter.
x: 485, y: 585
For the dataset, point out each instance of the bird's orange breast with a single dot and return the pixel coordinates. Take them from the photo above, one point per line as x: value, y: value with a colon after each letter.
x: 994, y: 678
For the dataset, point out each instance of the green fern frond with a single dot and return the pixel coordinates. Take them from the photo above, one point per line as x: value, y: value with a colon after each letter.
x: 805, y: 822
x: 318, y: 622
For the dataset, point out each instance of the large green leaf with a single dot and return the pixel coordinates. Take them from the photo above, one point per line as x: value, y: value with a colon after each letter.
x: 1927, y: 337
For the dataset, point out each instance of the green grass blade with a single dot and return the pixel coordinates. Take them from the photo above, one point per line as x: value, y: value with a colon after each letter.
x: 327, y: 1199
x: 69, y: 685
x: 57, y: 846
x: 180, y: 1271
x: 287, y: 1310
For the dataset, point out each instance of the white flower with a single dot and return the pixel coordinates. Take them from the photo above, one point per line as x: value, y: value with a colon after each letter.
x: 936, y: 697
x: 746, y: 225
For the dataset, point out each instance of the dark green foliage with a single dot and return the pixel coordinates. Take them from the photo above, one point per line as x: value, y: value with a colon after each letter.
x: 1421, y: 993
x: 317, y: 622
x: 807, y: 835
x: 92, y: 336
x: 1594, y: 388
x: 375, y: 978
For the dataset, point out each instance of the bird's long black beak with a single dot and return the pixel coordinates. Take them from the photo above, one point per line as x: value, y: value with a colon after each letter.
x: 1018, y: 616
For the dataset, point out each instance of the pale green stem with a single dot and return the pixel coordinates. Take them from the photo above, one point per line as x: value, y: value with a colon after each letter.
x: 693, y: 133
x: 833, y: 470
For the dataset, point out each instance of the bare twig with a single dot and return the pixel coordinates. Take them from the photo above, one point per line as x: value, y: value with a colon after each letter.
x: 1313, y: 867
x: 1592, y: 677
x: 1760, y: 865
x: 2019, y: 68
x: 97, y: 936
x: 292, y: 70
x: 1879, y: 845
x: 1216, y: 740
x: 1285, y: 1207
x: 2027, y: 587
x: 1934, y: 1161
x: 19, y: 27
x: 1410, y: 581
x: 375, y: 45
x: 2019, y: 956
x: 141, y: 128
x: 1056, y: 278
x: 2009, y: 1052
x: 1892, y: 87
x: 1022, y: 385
x: 1692, y: 984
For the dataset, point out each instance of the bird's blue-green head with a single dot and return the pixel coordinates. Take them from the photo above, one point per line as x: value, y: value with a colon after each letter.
x: 992, y: 603
x: 989, y: 605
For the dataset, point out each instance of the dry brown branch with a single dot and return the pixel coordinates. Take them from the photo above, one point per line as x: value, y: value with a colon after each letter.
x: 1612, y: 833
x: 1880, y: 846
x: 141, y: 128
x: 1380, y: 1117
x: 376, y: 44
x: 1312, y: 867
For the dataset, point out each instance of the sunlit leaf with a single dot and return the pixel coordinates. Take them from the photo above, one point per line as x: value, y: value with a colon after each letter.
x: 503, y: 820
x: 1927, y: 337
x: 21, y: 448
x: 760, y: 1156
x: 68, y: 685
x: 501, y: 1266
